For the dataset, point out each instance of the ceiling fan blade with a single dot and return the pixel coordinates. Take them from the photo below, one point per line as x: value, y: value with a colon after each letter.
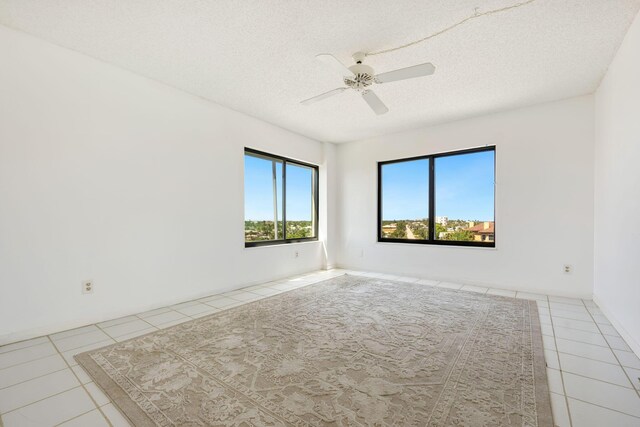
x: 323, y: 96
x: 374, y: 102
x: 406, y: 73
x: 334, y: 63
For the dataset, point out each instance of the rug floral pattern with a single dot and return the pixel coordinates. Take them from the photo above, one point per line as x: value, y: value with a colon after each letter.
x: 350, y: 351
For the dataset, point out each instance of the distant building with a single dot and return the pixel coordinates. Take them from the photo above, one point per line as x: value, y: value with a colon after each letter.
x: 483, y: 231
x: 389, y: 228
x: 442, y: 220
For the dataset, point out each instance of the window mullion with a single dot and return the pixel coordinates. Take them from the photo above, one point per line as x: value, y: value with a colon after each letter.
x: 432, y: 207
x: 275, y: 199
x: 314, y: 202
x: 284, y: 200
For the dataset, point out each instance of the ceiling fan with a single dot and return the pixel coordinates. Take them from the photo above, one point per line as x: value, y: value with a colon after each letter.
x: 360, y: 76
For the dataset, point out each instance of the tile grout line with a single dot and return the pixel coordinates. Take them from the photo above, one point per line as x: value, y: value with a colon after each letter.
x: 107, y: 333
x: 39, y: 376
x: 580, y: 330
x: 116, y: 324
x: 243, y: 301
x: 77, y: 416
x: 40, y: 400
x: 84, y: 345
x: 594, y: 379
x: 570, y: 318
x: 582, y: 342
x: 24, y: 348
x: 153, y: 326
x: 555, y: 343
x: 607, y: 408
x: 616, y: 356
x: 588, y: 358
x: 73, y: 335
x: 116, y: 338
x: 81, y: 384
x: 29, y: 361
x: 208, y: 313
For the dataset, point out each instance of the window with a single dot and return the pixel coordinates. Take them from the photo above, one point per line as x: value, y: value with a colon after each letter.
x: 280, y: 200
x: 445, y: 199
x: 405, y: 211
x: 464, y: 197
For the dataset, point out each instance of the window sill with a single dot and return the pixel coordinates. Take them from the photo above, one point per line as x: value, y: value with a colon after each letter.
x: 280, y: 244
x: 432, y: 245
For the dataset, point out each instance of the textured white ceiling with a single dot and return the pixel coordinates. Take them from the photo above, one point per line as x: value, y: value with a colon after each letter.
x: 257, y: 56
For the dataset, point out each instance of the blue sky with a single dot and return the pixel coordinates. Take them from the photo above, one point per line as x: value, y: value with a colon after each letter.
x: 258, y: 197
x: 464, y: 188
x: 405, y: 189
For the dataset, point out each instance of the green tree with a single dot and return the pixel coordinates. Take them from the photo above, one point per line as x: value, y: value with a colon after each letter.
x: 420, y: 230
x: 299, y: 229
x: 401, y: 230
x: 460, y: 235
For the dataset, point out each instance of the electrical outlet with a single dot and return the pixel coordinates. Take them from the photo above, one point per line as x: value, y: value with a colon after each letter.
x: 87, y: 287
x: 295, y: 254
x: 567, y: 269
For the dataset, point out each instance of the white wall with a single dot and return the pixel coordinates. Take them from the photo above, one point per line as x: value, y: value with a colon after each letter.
x: 617, y: 191
x: 544, y: 199
x: 109, y: 176
x: 328, y: 202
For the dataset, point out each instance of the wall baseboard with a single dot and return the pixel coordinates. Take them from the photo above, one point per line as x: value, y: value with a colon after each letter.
x: 631, y: 342
x: 28, y: 334
x: 475, y: 283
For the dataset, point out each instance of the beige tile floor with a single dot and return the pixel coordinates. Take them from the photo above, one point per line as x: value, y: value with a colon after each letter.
x: 593, y: 375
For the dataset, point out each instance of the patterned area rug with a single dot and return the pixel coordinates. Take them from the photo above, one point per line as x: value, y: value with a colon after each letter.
x: 350, y: 351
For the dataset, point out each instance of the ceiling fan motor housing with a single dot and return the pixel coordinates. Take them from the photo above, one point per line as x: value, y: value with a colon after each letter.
x: 363, y: 77
x: 360, y: 76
